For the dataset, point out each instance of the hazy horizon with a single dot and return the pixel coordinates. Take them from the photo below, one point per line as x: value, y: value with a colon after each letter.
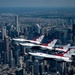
x: 38, y: 3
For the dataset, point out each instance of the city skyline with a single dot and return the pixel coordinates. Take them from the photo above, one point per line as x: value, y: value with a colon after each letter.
x: 23, y: 52
x: 37, y: 3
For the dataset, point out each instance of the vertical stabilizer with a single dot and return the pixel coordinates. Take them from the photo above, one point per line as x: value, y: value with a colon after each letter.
x: 52, y: 43
x: 39, y: 39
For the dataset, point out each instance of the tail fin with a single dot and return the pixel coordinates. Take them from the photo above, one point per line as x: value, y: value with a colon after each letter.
x: 68, y: 53
x: 52, y: 43
x: 65, y: 48
x: 39, y: 39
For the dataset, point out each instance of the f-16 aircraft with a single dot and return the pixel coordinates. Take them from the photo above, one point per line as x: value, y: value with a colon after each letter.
x: 64, y: 48
x: 40, y: 46
x: 64, y: 57
x: 36, y: 41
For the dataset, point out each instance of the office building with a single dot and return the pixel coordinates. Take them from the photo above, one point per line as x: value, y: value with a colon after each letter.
x: 4, y: 32
x: 17, y: 24
x: 11, y: 59
x: 21, y: 61
x: 29, y: 65
x: 41, y: 69
x: 36, y: 67
x: 2, y: 50
x: 17, y: 58
x: 69, y: 35
x: 6, y: 48
x: 38, y: 28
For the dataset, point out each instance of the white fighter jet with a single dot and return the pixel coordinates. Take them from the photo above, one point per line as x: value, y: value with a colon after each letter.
x: 40, y: 46
x: 64, y: 57
x: 36, y: 41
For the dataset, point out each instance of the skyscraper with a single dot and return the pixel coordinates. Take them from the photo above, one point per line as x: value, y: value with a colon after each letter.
x: 21, y: 61
x: 41, y: 69
x: 38, y: 28
x: 17, y: 24
x: 36, y: 67
x: 3, y: 32
x: 6, y: 48
x: 11, y: 59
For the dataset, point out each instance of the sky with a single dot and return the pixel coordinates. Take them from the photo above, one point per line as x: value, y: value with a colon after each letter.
x: 37, y: 3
